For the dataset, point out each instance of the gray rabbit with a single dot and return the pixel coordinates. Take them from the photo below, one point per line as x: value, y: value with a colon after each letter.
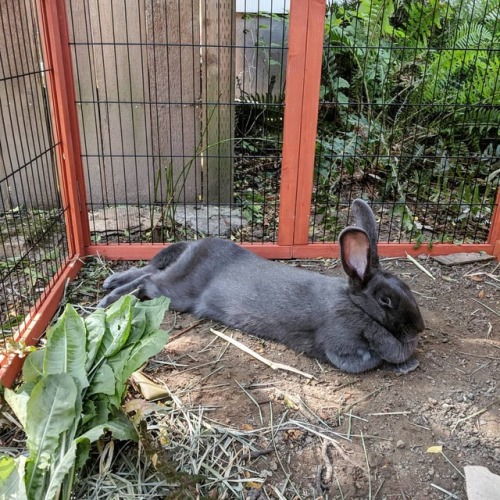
x: 356, y: 325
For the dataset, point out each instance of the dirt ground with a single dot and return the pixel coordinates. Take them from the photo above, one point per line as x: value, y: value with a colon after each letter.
x: 387, y: 421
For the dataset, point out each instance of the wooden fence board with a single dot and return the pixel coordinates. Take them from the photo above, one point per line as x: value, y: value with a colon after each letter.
x: 218, y: 82
x: 28, y: 162
x: 173, y: 59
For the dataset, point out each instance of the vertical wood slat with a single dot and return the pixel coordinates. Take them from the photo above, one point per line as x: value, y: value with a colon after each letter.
x: 305, y: 49
x: 173, y: 35
x: 218, y: 82
x: 27, y: 178
x: 60, y: 85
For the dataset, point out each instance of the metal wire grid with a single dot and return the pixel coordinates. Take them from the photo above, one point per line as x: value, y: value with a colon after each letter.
x: 32, y: 234
x: 181, y: 107
x: 392, y: 127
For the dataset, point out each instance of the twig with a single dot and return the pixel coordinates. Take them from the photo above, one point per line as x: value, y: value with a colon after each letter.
x: 452, y: 464
x: 420, y: 266
x: 379, y: 488
x: 446, y: 492
x: 421, y: 426
x: 476, y: 414
x: 376, y: 391
x: 252, y: 455
x: 390, y: 413
x: 254, y: 401
x: 478, y: 355
x: 187, y: 329
x: 262, y: 359
x: 367, y: 467
x: 487, y: 307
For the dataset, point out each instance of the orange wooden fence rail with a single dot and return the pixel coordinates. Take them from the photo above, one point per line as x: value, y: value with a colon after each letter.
x: 300, y: 124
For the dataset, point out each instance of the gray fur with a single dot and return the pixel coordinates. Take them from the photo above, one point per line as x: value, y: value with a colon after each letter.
x: 356, y: 325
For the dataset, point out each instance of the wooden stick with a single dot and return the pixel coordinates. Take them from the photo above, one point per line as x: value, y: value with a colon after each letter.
x: 262, y: 359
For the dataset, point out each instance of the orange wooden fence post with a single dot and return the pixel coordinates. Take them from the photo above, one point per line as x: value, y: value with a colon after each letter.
x: 60, y: 85
x: 305, y: 52
x: 494, y: 236
x: 61, y: 89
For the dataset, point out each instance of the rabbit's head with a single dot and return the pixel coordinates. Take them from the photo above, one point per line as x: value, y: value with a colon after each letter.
x: 383, y: 296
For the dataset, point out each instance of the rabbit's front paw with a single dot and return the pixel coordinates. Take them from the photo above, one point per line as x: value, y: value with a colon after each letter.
x: 408, y: 366
x: 113, y: 281
x: 106, y: 301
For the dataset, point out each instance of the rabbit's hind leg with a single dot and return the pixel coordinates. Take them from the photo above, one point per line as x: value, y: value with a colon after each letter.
x: 117, y: 280
x: 138, y: 287
x: 363, y: 360
x: 403, y: 368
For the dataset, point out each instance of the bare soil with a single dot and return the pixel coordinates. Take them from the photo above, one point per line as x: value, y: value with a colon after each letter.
x: 389, y: 421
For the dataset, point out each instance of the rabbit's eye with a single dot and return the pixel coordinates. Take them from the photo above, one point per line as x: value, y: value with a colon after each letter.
x: 385, y: 301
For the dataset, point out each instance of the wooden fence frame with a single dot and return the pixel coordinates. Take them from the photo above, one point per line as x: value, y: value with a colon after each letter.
x: 300, y: 126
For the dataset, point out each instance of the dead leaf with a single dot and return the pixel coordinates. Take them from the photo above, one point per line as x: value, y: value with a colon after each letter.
x: 477, y: 277
x: 435, y: 449
x: 287, y: 401
x: 293, y: 434
x: 148, y: 388
x: 253, y: 485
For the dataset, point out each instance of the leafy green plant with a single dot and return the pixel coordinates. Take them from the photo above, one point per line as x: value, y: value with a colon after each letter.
x: 408, y: 106
x: 72, y: 392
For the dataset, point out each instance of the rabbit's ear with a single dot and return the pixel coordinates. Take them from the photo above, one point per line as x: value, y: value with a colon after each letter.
x: 366, y: 220
x: 355, y: 253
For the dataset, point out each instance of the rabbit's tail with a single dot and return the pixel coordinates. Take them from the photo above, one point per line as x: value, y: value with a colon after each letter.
x: 168, y: 255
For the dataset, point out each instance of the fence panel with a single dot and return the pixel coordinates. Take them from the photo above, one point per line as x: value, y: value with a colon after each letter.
x: 409, y: 119
x: 177, y: 144
x: 36, y: 245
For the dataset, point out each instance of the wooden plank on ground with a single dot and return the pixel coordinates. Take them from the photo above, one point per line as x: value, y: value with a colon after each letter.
x: 458, y: 259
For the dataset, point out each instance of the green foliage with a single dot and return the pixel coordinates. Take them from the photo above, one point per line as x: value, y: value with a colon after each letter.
x: 72, y: 392
x: 411, y: 103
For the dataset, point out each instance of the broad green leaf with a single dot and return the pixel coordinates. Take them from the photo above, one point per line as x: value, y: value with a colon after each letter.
x: 120, y: 428
x: 51, y: 412
x: 101, y: 413
x: 118, y: 362
x: 33, y: 366
x: 82, y: 452
x: 7, y: 465
x: 89, y: 411
x: 18, y: 401
x: 59, y: 472
x: 65, y: 350
x: 127, y: 362
x: 118, y: 324
x: 103, y: 381
x: 155, y: 310
x: 148, y: 346
x: 12, y: 478
x: 95, y: 325
x: 138, y: 325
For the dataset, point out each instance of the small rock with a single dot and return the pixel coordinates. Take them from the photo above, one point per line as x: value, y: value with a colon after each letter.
x: 432, y: 401
x: 400, y: 444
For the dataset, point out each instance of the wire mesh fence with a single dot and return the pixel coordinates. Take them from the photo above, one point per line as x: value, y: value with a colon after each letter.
x: 409, y: 117
x: 181, y: 122
x: 181, y: 112
x: 32, y: 227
